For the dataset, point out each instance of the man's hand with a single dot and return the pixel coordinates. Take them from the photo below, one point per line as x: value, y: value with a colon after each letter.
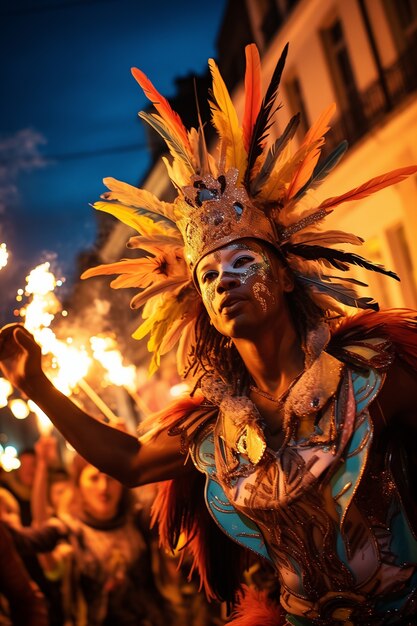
x: 20, y: 357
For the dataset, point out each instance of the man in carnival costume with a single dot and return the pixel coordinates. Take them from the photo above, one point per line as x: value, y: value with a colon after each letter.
x: 292, y: 445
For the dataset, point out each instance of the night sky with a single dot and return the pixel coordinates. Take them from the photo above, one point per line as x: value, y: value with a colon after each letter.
x: 68, y: 113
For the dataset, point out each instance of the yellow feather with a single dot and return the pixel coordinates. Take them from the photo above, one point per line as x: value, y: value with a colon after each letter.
x: 130, y: 216
x: 226, y: 122
x: 166, y: 321
x: 276, y: 187
x: 141, y: 198
x: 177, y: 173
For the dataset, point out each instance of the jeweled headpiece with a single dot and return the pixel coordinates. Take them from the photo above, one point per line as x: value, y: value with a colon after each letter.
x: 256, y: 187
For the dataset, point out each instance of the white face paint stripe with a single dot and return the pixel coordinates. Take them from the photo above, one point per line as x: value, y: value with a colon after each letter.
x: 222, y: 261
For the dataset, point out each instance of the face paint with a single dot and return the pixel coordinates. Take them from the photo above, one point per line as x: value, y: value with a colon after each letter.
x: 226, y: 263
x: 262, y: 293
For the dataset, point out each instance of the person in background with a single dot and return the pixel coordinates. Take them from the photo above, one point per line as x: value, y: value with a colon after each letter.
x: 109, y: 578
x: 50, y: 486
x: 20, y: 483
x: 21, y: 602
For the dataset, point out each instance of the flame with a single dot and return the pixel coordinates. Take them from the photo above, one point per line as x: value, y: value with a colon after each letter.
x: 41, y: 310
x: 40, y: 280
x: 4, y: 255
x: 70, y: 364
x: 105, y: 351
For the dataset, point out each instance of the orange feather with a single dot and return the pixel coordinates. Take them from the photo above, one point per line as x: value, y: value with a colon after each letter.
x: 253, y: 96
x: 140, y: 271
x: 371, y: 186
x: 312, y: 142
x: 161, y: 104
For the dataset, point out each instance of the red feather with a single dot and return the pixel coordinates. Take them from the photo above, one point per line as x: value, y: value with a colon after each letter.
x: 180, y: 509
x: 371, y: 186
x: 253, y: 95
x: 399, y: 326
x: 254, y: 608
x: 161, y: 104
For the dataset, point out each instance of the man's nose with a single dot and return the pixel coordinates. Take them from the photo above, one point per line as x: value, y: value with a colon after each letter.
x: 227, y: 281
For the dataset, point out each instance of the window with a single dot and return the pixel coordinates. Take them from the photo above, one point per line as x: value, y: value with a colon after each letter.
x: 341, y: 70
x: 402, y: 16
x: 407, y: 16
x: 271, y: 19
x: 378, y: 284
x: 297, y: 104
x: 400, y: 249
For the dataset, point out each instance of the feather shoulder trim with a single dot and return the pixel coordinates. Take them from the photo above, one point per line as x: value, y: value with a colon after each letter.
x: 374, y: 338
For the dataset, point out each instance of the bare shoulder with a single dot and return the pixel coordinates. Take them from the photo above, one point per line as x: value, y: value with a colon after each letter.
x: 398, y: 397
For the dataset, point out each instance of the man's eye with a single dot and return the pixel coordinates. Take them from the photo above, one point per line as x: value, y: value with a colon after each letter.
x: 209, y: 276
x: 243, y: 260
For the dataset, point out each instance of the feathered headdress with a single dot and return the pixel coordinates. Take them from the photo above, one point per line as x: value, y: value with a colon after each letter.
x: 254, y: 188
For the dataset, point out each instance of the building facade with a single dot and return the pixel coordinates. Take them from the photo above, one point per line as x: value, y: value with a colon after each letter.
x: 362, y: 55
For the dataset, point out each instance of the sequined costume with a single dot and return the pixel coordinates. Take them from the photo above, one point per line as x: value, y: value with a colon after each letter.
x: 335, y: 519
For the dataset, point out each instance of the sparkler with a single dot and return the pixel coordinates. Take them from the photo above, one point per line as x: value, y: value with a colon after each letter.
x: 70, y: 364
x: 105, y: 351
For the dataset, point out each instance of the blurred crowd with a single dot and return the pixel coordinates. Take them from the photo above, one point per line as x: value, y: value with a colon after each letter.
x: 77, y: 550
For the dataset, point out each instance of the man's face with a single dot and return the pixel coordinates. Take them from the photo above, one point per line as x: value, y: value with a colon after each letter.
x: 242, y: 287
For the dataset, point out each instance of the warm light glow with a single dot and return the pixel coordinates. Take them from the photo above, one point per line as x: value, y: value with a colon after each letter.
x: 179, y: 390
x: 105, y: 351
x: 19, y: 408
x: 8, y: 459
x: 6, y: 390
x: 45, y: 425
x: 70, y: 364
x: 4, y: 255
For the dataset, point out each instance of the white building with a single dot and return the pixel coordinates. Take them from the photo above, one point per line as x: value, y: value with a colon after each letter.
x: 361, y: 54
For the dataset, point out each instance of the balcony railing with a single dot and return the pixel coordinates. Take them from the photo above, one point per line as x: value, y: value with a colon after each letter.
x: 369, y: 107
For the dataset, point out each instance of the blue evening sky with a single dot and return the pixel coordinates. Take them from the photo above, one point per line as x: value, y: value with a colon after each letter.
x: 68, y: 112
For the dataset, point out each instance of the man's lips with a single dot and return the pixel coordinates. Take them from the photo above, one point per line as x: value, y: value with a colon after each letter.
x: 230, y: 303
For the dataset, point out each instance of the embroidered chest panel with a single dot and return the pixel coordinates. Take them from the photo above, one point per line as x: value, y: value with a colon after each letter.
x: 297, y: 507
